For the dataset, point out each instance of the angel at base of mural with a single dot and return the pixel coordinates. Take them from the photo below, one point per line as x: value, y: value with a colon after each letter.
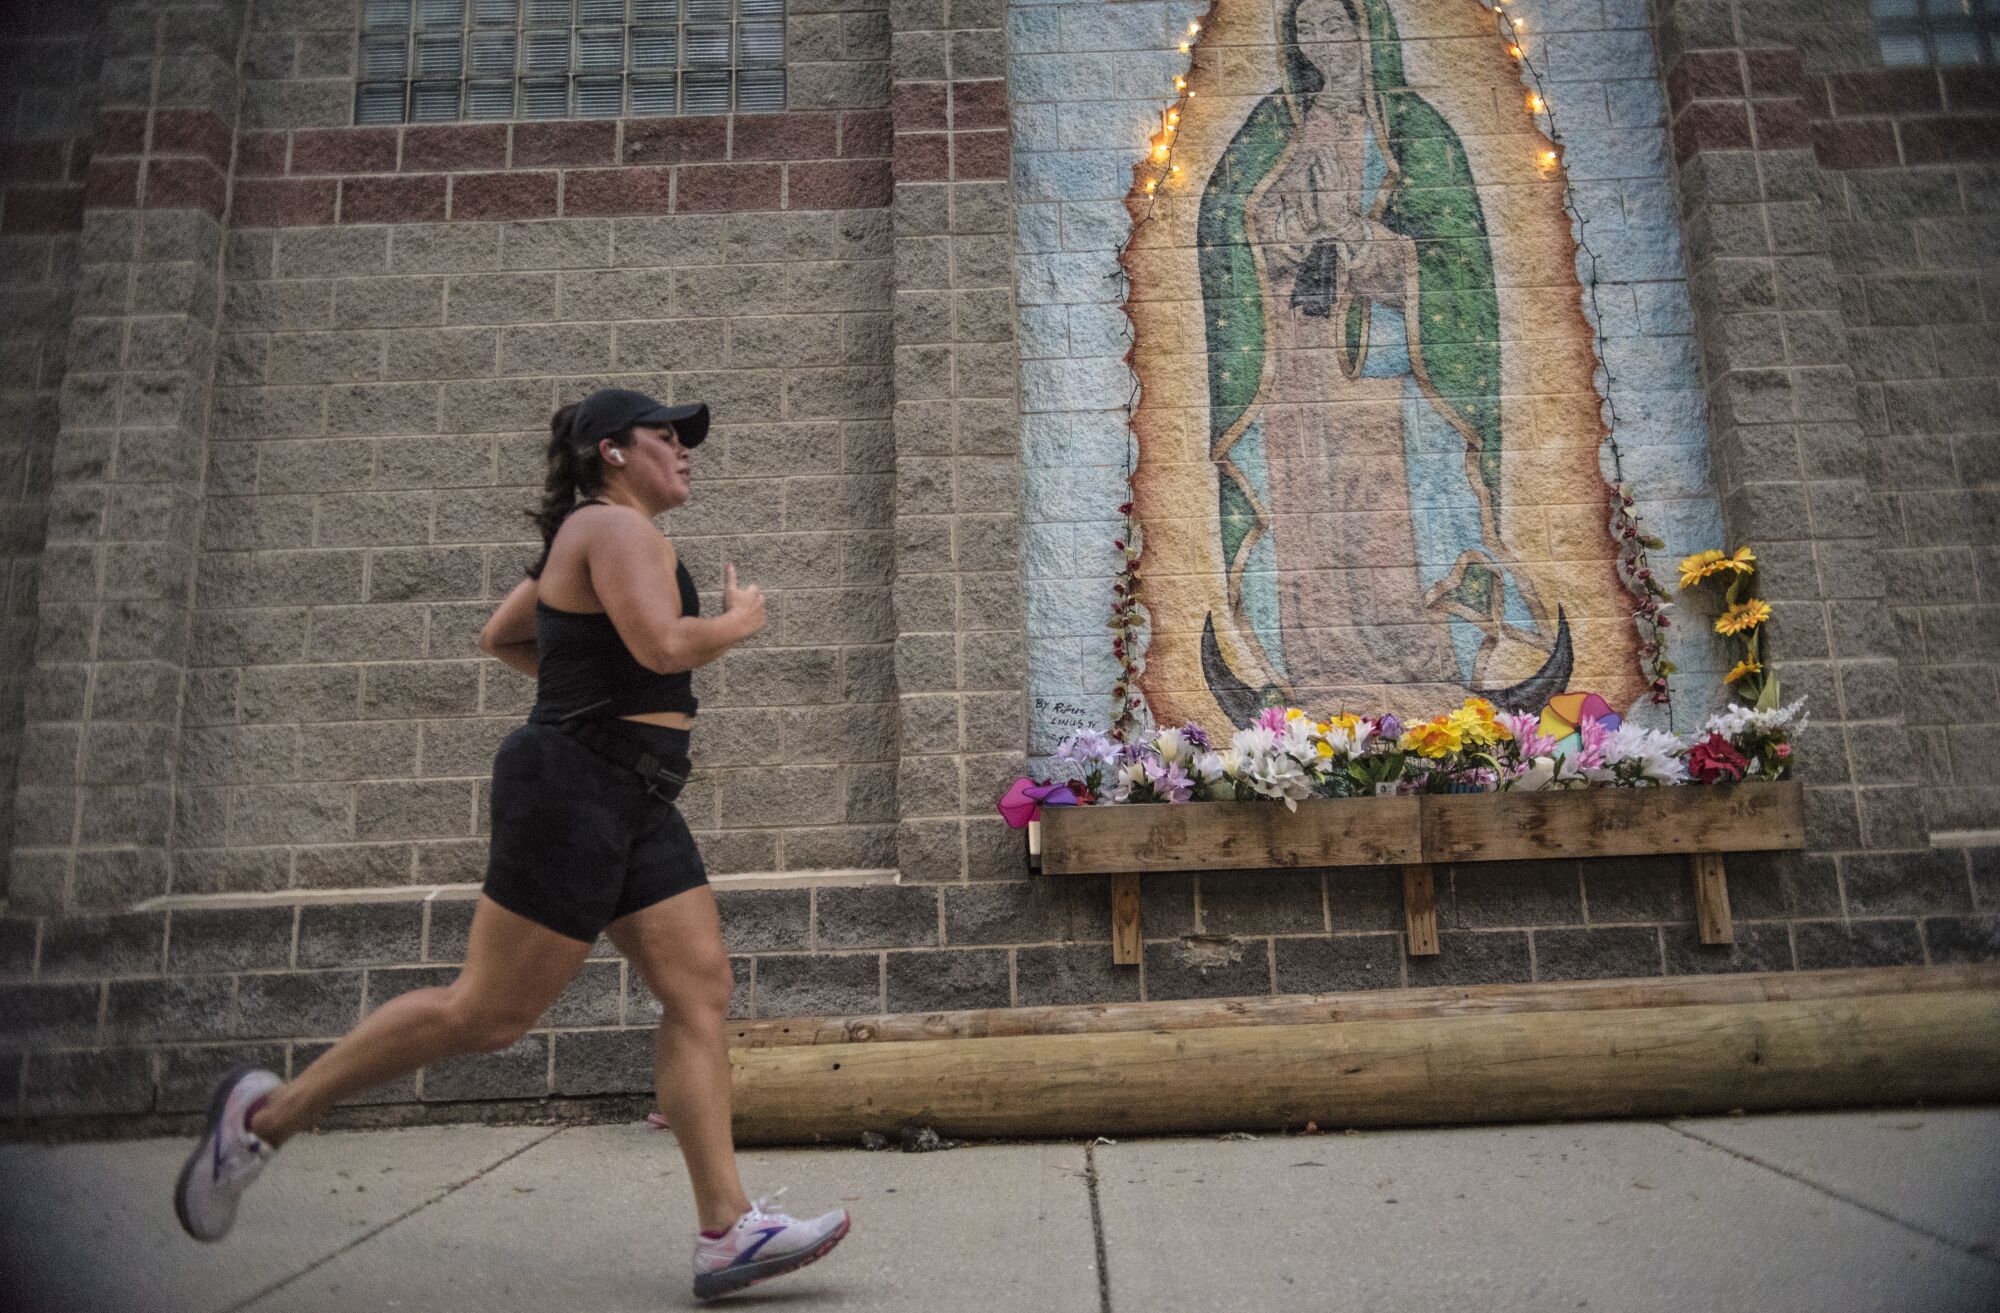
x: 1369, y: 426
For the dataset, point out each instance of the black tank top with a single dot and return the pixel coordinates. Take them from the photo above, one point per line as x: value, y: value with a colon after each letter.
x: 584, y: 667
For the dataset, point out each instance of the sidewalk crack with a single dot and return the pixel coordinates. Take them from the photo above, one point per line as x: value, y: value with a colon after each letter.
x: 1970, y: 1251
x: 374, y: 1231
x: 1097, y: 1228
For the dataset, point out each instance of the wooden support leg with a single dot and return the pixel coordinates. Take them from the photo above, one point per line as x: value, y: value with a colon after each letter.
x: 1711, y: 899
x: 1125, y: 918
x: 1420, y: 909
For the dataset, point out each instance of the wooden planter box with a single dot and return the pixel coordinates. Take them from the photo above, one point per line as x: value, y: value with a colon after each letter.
x: 1699, y: 821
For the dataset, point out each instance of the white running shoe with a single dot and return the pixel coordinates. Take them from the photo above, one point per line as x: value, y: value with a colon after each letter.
x: 762, y: 1245
x: 228, y: 1158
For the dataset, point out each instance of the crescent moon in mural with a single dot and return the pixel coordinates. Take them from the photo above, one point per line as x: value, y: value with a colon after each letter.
x: 1368, y: 426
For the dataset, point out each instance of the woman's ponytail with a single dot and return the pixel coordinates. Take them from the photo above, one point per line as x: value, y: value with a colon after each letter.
x: 560, y: 485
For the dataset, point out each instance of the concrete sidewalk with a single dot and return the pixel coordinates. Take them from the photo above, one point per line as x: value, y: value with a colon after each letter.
x: 1829, y: 1213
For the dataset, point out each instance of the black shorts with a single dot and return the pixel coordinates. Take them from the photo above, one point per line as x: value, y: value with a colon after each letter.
x: 577, y: 840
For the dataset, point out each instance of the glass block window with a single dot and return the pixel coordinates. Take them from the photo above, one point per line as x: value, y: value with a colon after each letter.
x: 1937, y: 31
x: 441, y: 61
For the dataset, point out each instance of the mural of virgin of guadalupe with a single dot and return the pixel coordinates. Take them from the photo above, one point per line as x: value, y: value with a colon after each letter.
x: 1402, y: 430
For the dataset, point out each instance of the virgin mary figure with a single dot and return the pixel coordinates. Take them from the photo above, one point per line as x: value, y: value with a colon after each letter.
x: 1401, y: 430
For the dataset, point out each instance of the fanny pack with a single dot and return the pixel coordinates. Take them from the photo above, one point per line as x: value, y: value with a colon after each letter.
x: 626, y: 752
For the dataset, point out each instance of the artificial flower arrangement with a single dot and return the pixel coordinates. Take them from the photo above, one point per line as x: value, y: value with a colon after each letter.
x: 1286, y: 756
x: 1577, y: 741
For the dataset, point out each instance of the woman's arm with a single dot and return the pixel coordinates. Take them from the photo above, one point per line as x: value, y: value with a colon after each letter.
x: 632, y: 572
x: 510, y: 633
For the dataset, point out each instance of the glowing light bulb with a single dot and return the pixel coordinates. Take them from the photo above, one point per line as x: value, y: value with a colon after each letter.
x: 1520, y: 24
x: 1173, y: 117
x: 1185, y: 47
x: 1515, y: 51
x: 1152, y: 185
x: 1548, y: 159
x: 1193, y: 28
x: 1160, y: 152
x: 1177, y: 168
x: 1180, y: 84
x: 1534, y: 103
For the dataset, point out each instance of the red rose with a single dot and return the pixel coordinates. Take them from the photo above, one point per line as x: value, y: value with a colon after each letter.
x: 1714, y: 760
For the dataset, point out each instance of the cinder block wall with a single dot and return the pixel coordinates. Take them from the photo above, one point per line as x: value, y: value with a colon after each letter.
x: 307, y: 369
x: 48, y: 87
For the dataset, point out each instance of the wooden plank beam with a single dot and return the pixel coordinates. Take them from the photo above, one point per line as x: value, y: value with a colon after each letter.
x: 1125, y: 930
x: 1486, y: 827
x: 1420, y: 909
x: 1711, y: 899
x: 1220, y: 836
x: 1617, y: 1062
x: 1368, y: 1005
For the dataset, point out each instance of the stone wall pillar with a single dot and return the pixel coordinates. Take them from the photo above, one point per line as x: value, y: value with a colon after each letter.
x: 95, y: 810
x: 1792, y: 458
x: 961, y: 665
x: 48, y: 86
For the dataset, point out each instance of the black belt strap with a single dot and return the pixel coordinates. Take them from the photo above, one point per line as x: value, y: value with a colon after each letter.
x: 623, y: 750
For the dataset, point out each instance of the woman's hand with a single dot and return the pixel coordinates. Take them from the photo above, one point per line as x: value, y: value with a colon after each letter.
x: 742, y: 603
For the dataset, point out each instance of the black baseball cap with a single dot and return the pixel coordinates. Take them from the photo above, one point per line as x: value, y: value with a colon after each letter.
x: 613, y: 410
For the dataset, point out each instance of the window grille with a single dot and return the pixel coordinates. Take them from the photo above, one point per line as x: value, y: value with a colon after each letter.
x: 441, y: 61
x: 1937, y: 31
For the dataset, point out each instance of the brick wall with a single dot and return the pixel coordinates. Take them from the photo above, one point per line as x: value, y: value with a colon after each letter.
x: 960, y: 654
x: 49, y: 75
x: 1910, y: 185
x: 299, y: 415
x: 405, y: 307
x: 1838, y: 439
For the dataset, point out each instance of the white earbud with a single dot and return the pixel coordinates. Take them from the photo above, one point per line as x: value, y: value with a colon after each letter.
x: 615, y: 457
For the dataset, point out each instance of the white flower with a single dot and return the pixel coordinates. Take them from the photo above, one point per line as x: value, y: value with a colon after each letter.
x: 1278, y: 775
x: 1297, y: 741
x: 1634, y: 754
x: 1347, y: 741
x: 1541, y: 774
x: 1253, y: 743
x: 1733, y: 721
x: 1172, y: 745
x: 1212, y: 766
x: 1130, y: 776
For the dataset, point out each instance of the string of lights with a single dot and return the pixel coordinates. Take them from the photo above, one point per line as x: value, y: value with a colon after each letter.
x: 1635, y: 572
x: 1128, y: 614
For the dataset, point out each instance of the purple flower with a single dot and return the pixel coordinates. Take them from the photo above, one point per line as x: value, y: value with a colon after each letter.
x: 1197, y: 737
x: 1169, y: 782
x: 1388, y: 727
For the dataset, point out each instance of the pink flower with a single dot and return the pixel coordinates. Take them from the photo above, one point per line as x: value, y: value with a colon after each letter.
x: 1529, y: 741
x: 1592, y: 732
x: 1272, y: 718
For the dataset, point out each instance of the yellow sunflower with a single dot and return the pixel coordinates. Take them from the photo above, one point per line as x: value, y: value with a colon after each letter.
x: 1742, y: 617
x: 1744, y: 562
x: 1700, y: 566
x: 1747, y: 666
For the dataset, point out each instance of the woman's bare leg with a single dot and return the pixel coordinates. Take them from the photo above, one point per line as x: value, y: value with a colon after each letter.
x: 513, y: 970
x: 677, y: 946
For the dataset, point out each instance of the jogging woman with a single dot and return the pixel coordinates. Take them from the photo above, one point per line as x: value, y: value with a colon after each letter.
x: 586, y: 839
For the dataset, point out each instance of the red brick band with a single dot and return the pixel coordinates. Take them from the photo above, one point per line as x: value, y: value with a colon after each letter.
x: 472, y: 171
x: 1873, y: 119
